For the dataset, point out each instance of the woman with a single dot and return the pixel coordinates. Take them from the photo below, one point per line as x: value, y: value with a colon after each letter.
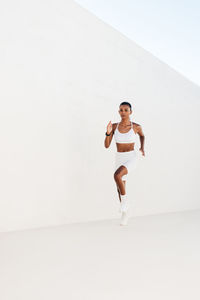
x: 126, y: 157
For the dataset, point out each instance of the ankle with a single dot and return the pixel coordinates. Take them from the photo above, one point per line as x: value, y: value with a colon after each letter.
x: 123, y: 197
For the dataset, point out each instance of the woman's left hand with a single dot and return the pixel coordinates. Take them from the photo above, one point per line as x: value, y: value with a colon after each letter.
x: 142, y: 150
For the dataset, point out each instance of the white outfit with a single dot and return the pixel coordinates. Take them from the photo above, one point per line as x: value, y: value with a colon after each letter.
x: 129, y: 158
x: 124, y: 218
x: 125, y: 138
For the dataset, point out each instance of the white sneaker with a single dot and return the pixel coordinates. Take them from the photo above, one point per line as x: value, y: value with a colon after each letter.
x: 124, y: 218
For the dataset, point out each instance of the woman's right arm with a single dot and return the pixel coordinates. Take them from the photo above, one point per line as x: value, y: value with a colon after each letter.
x: 108, y: 139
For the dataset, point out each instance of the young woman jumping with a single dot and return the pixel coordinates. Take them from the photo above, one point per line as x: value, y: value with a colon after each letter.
x: 126, y: 157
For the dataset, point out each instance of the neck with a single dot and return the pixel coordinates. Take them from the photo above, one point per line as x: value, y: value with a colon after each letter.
x: 125, y: 121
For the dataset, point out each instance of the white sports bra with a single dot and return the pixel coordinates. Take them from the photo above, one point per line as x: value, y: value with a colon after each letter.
x: 126, y: 137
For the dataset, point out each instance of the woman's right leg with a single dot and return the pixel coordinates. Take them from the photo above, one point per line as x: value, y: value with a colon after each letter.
x: 118, y: 190
x: 122, y: 170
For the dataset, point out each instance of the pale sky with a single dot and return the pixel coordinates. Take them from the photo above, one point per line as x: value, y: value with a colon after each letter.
x: 170, y: 30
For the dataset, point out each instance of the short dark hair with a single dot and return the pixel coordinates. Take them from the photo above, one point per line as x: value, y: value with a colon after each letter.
x: 126, y: 103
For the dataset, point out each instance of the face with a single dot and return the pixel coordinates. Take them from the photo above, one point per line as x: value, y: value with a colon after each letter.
x: 125, y: 111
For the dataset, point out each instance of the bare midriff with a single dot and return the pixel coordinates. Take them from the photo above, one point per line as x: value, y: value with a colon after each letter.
x: 125, y: 147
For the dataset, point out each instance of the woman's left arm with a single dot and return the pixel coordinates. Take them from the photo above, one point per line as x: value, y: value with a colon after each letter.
x: 142, y: 138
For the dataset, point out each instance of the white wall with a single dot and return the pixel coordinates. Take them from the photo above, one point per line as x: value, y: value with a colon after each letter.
x: 63, y: 75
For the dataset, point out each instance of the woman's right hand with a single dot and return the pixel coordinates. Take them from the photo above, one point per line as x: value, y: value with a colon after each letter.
x: 109, y: 128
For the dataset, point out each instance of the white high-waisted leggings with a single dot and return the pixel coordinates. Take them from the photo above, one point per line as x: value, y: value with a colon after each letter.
x: 128, y: 159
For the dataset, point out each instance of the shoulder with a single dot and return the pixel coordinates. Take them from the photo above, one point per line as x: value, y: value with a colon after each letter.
x: 138, y: 128
x: 136, y: 125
